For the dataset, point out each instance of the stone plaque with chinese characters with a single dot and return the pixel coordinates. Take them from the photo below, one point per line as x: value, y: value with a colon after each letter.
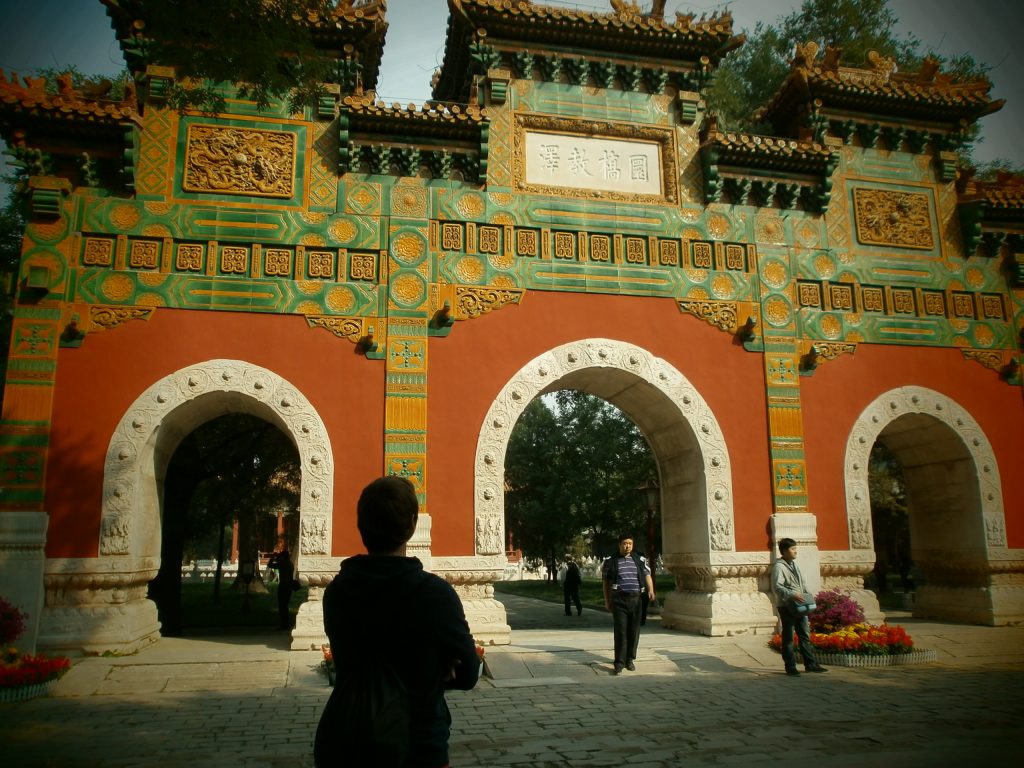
x: 593, y: 163
x: 239, y: 161
x: 900, y: 219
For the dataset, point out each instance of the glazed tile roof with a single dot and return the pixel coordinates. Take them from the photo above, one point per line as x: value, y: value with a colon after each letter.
x: 622, y: 31
x: 1005, y: 193
x: 24, y: 102
x: 748, y: 150
x: 877, y: 89
x: 356, y: 26
x: 434, y: 119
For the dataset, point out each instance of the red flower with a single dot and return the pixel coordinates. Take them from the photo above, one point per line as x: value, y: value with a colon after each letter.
x: 31, y: 670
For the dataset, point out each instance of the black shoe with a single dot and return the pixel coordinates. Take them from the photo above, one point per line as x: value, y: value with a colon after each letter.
x: 793, y: 672
x: 617, y: 670
x: 817, y: 668
x: 631, y: 666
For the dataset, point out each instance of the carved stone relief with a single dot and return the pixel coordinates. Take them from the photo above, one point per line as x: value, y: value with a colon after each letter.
x: 130, y: 506
x: 237, y: 161
x: 900, y: 219
x: 540, y: 374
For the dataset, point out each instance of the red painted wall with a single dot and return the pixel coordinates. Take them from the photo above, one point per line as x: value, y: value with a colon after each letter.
x: 840, y: 390
x: 98, y: 382
x: 470, y: 366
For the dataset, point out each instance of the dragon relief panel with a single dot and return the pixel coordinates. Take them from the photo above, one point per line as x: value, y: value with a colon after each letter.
x: 239, y: 161
x: 892, y: 218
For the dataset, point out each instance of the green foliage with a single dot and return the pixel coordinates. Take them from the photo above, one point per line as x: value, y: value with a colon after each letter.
x: 591, y: 591
x: 267, y: 46
x: 91, y: 86
x: 243, y: 469
x: 573, y: 470
x: 747, y: 79
x: 890, y: 520
x: 202, y: 609
x: 991, y: 170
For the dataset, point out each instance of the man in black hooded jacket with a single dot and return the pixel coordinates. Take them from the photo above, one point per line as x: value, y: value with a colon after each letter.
x: 383, y: 609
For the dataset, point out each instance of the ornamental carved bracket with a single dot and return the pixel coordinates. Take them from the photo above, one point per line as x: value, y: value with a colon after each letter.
x: 721, y: 314
x: 450, y: 302
x: 358, y: 330
x: 823, y: 350
x: 101, y: 318
x: 1005, y: 364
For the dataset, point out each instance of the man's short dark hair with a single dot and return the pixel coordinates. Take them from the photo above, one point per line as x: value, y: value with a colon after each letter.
x: 624, y: 536
x: 785, y: 544
x: 386, y: 513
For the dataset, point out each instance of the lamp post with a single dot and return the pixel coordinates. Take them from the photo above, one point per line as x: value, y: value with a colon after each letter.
x: 652, y: 498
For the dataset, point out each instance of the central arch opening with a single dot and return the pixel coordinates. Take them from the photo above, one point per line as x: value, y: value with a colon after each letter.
x: 693, y: 467
x: 576, y: 471
x: 230, y: 500
x: 944, y: 517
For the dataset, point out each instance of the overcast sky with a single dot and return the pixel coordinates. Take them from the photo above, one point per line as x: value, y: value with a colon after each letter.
x: 52, y: 33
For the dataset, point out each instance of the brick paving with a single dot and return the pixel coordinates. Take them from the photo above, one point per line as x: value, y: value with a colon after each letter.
x: 246, y: 701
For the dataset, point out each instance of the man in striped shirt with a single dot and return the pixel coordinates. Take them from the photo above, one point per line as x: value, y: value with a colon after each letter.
x: 625, y: 577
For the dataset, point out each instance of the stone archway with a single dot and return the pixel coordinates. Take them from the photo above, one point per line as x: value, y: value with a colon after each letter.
x: 716, y: 587
x: 958, y: 529
x: 100, y: 603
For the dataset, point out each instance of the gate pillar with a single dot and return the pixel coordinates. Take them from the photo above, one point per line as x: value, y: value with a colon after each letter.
x: 473, y: 579
x: 22, y: 538
x: 718, y: 594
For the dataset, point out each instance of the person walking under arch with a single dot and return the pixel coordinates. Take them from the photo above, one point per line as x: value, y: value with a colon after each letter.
x: 571, y: 586
x: 625, y: 576
x: 791, y: 591
x: 286, y: 586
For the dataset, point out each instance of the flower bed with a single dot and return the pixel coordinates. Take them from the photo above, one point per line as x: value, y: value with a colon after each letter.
x: 922, y: 656
x: 842, y: 638
x: 24, y: 676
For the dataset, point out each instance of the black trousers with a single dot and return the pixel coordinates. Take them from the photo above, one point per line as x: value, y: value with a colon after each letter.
x: 796, y: 622
x: 626, y: 625
x: 572, y: 594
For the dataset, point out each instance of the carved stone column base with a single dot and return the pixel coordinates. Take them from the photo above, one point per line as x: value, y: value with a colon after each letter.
x: 718, y: 614
x: 991, y: 606
x: 719, y: 594
x: 309, y: 631
x: 473, y: 579
x: 98, y: 605
x: 488, y: 621
x: 98, y: 629
x: 22, y: 539
x: 967, y: 589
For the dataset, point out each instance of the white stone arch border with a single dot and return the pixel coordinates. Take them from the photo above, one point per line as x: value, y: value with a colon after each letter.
x: 130, y: 522
x: 542, y: 374
x: 890, y: 406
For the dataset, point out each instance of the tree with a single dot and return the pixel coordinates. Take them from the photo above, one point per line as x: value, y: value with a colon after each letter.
x: 266, y: 46
x: 889, y: 520
x: 573, y: 469
x: 747, y: 78
x: 235, y: 468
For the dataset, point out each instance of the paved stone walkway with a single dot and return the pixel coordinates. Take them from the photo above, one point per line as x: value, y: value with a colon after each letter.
x: 246, y: 701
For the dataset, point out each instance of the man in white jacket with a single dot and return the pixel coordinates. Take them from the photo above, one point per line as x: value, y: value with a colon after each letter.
x: 789, y: 587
